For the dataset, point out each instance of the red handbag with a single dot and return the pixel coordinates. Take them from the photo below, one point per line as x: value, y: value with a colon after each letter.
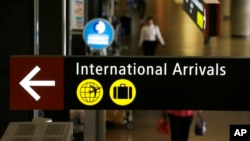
x: 163, y: 126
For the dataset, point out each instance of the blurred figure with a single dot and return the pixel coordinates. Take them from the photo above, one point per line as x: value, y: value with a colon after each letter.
x: 150, y: 36
x: 180, y: 122
x: 125, y: 21
x: 130, y: 4
x: 77, y: 117
x: 141, y: 4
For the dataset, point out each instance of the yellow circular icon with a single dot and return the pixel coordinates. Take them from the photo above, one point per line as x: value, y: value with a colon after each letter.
x: 122, y: 92
x: 89, y: 92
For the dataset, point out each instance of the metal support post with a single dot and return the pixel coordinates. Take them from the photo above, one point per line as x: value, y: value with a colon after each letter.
x: 36, y: 39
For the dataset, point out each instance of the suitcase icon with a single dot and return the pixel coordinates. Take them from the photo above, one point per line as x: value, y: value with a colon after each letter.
x: 122, y: 92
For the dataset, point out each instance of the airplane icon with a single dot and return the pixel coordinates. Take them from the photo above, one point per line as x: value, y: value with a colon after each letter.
x: 94, y: 89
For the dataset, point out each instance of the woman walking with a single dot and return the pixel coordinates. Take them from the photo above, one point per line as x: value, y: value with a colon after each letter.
x: 149, y: 37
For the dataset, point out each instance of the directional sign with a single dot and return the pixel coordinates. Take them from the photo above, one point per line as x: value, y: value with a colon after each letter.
x: 26, y: 83
x: 98, y: 34
x: 37, y: 83
x: 205, y: 14
x: 130, y: 83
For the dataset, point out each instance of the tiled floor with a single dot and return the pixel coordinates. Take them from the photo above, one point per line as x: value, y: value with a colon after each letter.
x: 182, y: 38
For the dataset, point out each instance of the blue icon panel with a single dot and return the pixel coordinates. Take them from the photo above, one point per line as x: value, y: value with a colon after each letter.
x: 98, y: 34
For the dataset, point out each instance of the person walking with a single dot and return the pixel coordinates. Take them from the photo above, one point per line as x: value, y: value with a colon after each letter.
x: 180, y: 122
x: 141, y: 4
x: 150, y: 35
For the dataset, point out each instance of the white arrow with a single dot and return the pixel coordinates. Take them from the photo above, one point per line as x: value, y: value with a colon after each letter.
x: 26, y: 83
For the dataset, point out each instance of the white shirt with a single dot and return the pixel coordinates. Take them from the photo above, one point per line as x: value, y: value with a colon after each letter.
x: 149, y: 33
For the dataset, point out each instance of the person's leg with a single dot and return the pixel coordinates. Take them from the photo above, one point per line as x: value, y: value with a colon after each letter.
x: 146, y: 48
x: 153, y: 47
x: 185, y: 127
x: 175, y: 127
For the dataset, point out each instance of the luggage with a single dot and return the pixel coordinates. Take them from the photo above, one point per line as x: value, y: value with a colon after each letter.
x: 122, y: 92
x: 163, y: 124
x: 200, y: 126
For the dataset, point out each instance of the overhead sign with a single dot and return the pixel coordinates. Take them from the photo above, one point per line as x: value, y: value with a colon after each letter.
x: 129, y: 83
x: 205, y: 14
x: 98, y: 34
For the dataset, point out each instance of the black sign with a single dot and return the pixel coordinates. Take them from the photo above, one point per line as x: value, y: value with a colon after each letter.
x: 161, y: 83
x: 134, y: 82
x: 205, y: 14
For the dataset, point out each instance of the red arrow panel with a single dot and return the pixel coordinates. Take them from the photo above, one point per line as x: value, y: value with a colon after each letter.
x: 51, y: 97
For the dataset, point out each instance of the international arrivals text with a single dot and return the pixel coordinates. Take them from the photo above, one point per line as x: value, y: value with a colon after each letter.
x: 133, y: 69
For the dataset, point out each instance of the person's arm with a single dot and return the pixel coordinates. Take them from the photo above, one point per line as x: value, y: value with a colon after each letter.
x: 141, y: 37
x: 158, y: 35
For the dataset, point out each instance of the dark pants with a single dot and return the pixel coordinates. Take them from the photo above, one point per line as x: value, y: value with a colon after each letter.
x: 149, y: 48
x: 179, y: 127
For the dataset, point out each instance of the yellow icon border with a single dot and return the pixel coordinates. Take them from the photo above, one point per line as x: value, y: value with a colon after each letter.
x: 79, y: 94
x: 122, y: 102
